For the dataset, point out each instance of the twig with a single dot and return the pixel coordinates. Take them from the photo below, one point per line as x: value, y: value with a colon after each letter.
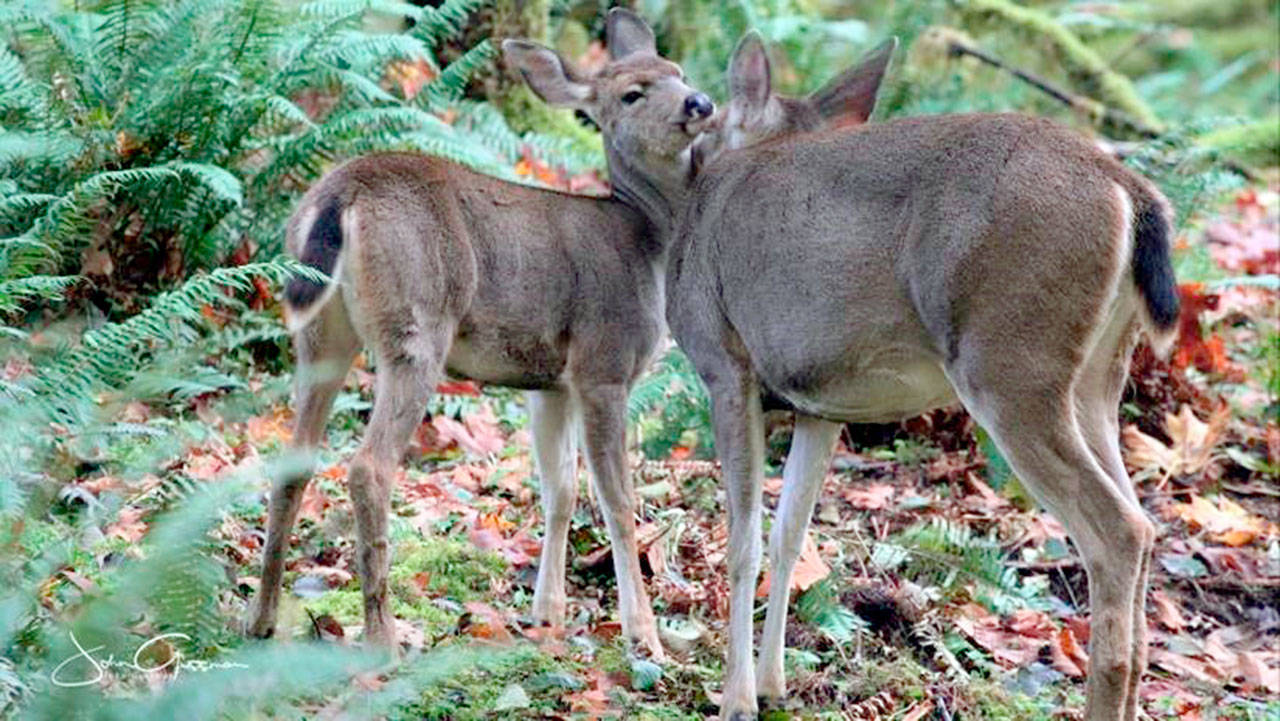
x: 1109, y: 116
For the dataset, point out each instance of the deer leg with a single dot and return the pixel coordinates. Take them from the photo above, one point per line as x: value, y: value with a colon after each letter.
x: 806, y: 467
x: 739, y: 427
x: 555, y: 454
x: 604, y: 433
x: 1040, y: 436
x: 402, y: 386
x: 325, y: 349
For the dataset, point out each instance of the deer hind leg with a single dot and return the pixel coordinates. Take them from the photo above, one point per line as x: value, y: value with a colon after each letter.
x: 604, y: 435
x: 556, y: 456
x: 1036, y: 428
x: 325, y: 349
x: 1097, y: 397
x: 806, y: 467
x: 404, y: 381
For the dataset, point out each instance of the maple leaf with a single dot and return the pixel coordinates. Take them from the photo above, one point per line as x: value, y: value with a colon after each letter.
x: 273, y: 427
x: 458, y: 388
x: 1193, y: 446
x: 483, y: 621
x: 1225, y: 521
x: 1012, y: 643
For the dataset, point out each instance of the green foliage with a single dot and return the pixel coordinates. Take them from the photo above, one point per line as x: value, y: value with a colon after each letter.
x: 945, y: 554
x: 820, y: 607
x: 669, y: 408
x: 1190, y: 173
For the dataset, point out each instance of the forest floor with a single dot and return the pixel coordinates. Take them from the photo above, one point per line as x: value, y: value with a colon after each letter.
x: 931, y: 586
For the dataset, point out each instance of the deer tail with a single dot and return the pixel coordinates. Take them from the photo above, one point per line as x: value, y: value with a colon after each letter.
x: 1152, y: 266
x: 320, y: 248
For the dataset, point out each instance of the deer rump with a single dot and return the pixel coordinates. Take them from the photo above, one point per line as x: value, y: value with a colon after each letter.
x: 884, y: 251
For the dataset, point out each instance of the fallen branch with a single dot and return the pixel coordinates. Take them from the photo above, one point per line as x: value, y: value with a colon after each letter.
x: 1093, y: 109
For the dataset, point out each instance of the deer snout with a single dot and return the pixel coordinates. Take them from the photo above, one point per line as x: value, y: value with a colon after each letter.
x: 698, y: 106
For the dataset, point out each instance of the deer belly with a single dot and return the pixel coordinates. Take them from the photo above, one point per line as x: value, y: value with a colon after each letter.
x: 513, y: 359
x: 876, y: 392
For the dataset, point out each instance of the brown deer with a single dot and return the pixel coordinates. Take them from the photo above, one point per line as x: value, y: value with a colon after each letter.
x: 438, y: 269
x: 873, y: 273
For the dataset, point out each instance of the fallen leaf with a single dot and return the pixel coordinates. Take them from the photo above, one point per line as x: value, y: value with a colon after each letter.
x: 128, y: 525
x: 872, y: 497
x: 809, y: 569
x: 1225, y: 521
x: 1068, y: 655
x: 327, y: 628
x: 483, y: 621
x: 1167, y: 613
x: 478, y: 434
x: 1192, y: 449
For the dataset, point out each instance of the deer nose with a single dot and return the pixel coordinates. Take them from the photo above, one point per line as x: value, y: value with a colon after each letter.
x: 698, y: 106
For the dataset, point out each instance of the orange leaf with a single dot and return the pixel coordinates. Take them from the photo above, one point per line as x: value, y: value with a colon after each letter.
x: 1226, y: 521
x: 810, y: 568
x: 872, y: 497
x: 128, y: 525
x: 1167, y: 613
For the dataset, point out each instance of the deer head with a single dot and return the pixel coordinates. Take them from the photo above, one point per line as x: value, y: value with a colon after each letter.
x: 756, y: 114
x: 644, y: 108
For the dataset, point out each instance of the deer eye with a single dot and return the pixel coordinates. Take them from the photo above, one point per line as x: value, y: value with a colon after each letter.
x: 631, y: 96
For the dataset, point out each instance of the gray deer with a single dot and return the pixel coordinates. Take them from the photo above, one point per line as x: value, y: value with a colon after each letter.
x: 438, y: 269
x: 874, y: 273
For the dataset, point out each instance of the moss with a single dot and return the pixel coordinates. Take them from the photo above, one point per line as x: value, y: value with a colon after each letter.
x: 1256, y: 143
x: 453, y: 569
x: 1085, y: 68
x: 527, y: 113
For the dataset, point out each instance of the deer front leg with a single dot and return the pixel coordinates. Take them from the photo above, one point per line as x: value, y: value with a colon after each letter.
x: 604, y: 433
x: 555, y: 454
x: 806, y: 467
x: 739, y: 426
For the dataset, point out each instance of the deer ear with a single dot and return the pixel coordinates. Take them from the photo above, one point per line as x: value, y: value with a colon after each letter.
x: 850, y: 97
x: 749, y: 76
x: 627, y: 33
x: 546, y: 73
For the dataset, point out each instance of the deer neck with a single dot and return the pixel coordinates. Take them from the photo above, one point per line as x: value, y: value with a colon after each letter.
x: 659, y: 197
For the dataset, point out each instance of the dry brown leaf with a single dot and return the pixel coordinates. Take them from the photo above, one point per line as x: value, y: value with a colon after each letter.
x: 128, y: 525
x: 478, y: 434
x: 872, y: 497
x: 1225, y: 521
x: 1167, y: 613
x: 483, y: 621
x: 1193, y: 443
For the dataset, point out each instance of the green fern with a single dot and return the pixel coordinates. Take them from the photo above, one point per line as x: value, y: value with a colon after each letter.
x: 943, y: 553
x: 668, y: 404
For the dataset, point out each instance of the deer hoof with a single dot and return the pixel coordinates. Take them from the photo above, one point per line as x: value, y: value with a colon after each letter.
x: 771, y: 703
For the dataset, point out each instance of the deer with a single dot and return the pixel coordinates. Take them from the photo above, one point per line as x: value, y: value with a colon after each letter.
x: 872, y: 272
x: 438, y: 269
